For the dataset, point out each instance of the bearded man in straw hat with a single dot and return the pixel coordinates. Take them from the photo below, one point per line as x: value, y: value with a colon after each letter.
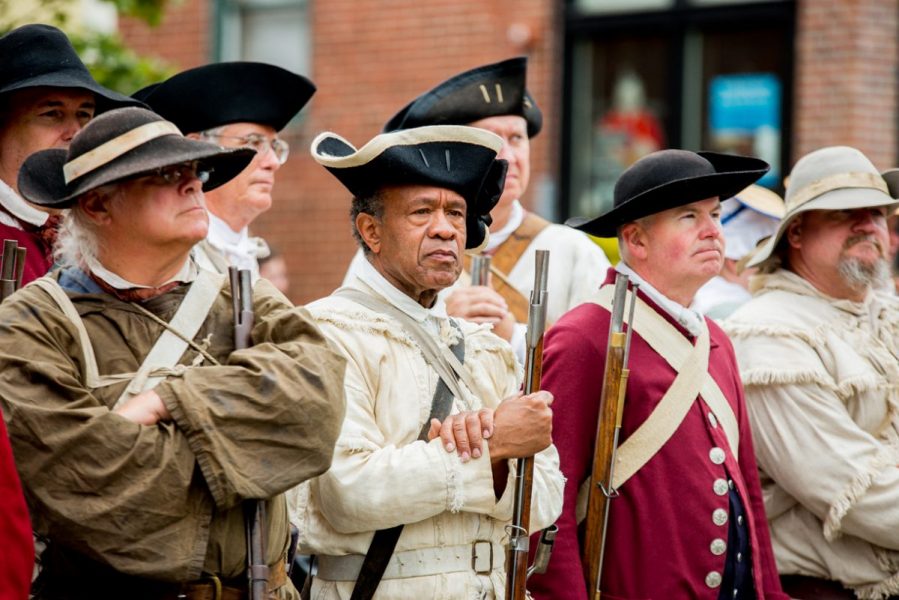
x: 688, y: 521
x: 495, y: 97
x: 138, y: 428
x: 818, y: 354
x: 234, y: 104
x: 424, y: 454
x: 46, y: 97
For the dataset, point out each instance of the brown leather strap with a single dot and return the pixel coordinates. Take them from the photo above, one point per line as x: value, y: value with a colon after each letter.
x: 212, y: 588
x: 504, y: 259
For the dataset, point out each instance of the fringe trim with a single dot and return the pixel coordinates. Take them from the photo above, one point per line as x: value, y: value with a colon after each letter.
x: 763, y: 376
x: 854, y: 386
x: 365, y: 322
x: 357, y: 444
x: 878, y: 591
x: 886, y: 456
x: 815, y: 337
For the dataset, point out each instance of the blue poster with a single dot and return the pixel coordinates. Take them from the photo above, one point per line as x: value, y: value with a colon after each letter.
x: 744, y: 118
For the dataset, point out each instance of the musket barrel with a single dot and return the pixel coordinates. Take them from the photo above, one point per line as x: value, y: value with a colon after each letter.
x: 480, y: 269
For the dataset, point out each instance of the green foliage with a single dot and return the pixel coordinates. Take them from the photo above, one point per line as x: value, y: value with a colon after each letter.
x: 149, y: 11
x: 116, y: 66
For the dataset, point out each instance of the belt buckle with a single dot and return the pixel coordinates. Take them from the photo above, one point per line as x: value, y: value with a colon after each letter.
x: 477, y: 564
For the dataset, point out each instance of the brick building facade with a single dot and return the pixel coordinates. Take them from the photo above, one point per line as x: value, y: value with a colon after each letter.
x: 369, y: 58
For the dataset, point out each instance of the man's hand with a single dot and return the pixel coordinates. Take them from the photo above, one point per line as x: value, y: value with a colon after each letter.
x: 482, y: 304
x: 522, y: 426
x: 145, y: 408
x: 464, y: 432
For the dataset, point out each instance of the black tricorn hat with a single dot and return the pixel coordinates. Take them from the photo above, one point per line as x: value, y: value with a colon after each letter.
x: 670, y: 178
x: 458, y: 158
x: 488, y: 91
x: 230, y: 92
x: 118, y: 145
x: 42, y: 56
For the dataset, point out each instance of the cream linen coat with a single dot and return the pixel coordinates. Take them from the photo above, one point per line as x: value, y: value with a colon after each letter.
x: 381, y: 476
x: 822, y: 385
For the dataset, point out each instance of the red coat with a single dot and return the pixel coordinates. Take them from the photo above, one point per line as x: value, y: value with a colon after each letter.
x: 16, y: 544
x: 660, y: 528
x: 38, y: 255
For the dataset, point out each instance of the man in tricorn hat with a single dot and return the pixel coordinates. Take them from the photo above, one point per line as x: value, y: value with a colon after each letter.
x: 494, y: 97
x: 818, y: 353
x: 688, y: 520
x: 234, y: 104
x: 46, y: 97
x: 434, y: 416
x: 138, y: 428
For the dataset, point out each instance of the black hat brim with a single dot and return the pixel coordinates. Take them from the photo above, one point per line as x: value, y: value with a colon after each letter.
x: 42, y: 182
x: 734, y: 174
x: 231, y: 92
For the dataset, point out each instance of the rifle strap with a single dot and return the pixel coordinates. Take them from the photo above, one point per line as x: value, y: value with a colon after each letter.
x: 385, y: 540
x: 506, y: 257
x: 162, y: 360
x: 693, y: 380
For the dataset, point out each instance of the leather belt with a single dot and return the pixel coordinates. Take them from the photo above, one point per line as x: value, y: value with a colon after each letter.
x: 482, y: 557
x: 212, y: 588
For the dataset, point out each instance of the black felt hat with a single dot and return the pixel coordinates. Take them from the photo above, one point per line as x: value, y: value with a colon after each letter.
x: 670, y: 178
x: 42, y: 56
x: 491, y: 90
x: 118, y: 145
x: 458, y: 158
x: 230, y: 92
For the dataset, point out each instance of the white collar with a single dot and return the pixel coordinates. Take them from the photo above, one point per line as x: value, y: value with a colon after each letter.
x: 687, y: 318
x: 515, y: 219
x: 19, y: 208
x: 370, y: 276
x: 185, y: 274
x: 238, y: 247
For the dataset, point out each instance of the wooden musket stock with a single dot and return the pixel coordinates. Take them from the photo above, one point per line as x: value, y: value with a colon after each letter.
x: 519, y: 530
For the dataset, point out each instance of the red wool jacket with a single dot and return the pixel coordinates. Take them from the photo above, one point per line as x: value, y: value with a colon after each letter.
x: 16, y: 545
x: 661, y: 527
x: 38, y: 259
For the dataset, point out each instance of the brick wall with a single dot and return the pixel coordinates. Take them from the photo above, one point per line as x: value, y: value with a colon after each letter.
x: 369, y: 59
x: 845, y: 84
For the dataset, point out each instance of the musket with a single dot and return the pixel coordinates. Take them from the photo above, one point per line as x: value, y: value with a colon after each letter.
x: 611, y: 409
x: 12, y: 266
x: 254, y: 510
x: 480, y: 269
x: 519, y: 529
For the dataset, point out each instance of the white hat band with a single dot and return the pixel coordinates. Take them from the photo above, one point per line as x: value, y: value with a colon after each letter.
x: 114, y: 148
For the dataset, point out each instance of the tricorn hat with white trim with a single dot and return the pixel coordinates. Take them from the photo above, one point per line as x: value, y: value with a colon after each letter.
x: 454, y: 157
x: 491, y: 90
x: 832, y: 178
x: 118, y: 145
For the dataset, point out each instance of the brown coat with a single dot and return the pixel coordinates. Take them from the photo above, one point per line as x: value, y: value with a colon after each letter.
x: 164, y: 502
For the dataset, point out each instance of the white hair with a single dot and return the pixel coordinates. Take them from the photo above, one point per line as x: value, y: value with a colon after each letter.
x: 77, y: 244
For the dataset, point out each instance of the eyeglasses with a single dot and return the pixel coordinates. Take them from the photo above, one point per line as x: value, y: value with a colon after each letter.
x: 259, y: 143
x: 173, y: 174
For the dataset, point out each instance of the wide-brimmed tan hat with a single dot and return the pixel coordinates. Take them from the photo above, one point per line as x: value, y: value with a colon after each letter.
x: 118, y: 145
x: 832, y: 178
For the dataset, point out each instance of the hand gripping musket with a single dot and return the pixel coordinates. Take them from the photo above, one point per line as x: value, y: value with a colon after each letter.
x: 480, y: 269
x: 254, y: 510
x: 611, y: 409
x: 519, y: 530
x: 12, y: 266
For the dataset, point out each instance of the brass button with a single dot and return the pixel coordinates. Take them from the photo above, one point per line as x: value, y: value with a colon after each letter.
x: 713, y: 579
x: 720, y: 487
x: 719, y: 516
x: 718, y: 546
x: 713, y: 420
x: 716, y: 455
x: 730, y: 483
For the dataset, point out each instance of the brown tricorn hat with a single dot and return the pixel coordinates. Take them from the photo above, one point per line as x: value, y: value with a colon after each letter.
x: 119, y: 145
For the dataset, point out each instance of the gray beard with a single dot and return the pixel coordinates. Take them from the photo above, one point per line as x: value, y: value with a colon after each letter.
x: 860, y: 275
